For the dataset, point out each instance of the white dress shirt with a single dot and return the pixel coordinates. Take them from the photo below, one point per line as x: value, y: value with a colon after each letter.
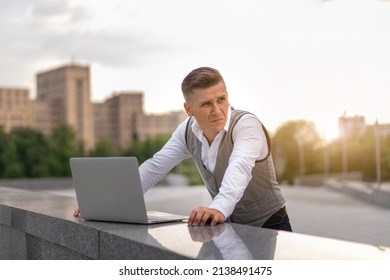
x: 249, y: 145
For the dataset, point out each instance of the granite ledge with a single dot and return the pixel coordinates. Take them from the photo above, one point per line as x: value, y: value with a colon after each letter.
x: 37, y: 219
x: 37, y: 225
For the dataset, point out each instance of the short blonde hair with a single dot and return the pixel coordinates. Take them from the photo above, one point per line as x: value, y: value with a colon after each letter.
x: 202, y: 77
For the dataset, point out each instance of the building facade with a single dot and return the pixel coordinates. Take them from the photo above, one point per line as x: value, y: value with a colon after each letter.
x: 115, y: 118
x: 350, y: 126
x: 122, y: 120
x: 64, y: 94
x: 155, y: 124
x: 15, y: 108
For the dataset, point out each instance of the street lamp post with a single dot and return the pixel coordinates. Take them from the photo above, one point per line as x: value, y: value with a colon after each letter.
x: 378, y: 155
x: 344, y: 156
x: 301, y: 156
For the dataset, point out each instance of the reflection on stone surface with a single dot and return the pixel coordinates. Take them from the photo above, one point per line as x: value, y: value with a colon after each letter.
x: 225, y: 241
x: 235, y: 242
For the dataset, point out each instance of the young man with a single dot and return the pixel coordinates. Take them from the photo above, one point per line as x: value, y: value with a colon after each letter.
x: 231, y: 150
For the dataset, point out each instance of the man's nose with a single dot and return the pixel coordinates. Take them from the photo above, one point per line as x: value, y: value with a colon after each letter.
x: 214, y: 107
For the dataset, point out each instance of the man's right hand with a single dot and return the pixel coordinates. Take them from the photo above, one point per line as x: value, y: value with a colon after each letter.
x: 202, y: 215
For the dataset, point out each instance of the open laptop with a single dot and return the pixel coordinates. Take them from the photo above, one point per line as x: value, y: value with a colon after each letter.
x: 109, y: 189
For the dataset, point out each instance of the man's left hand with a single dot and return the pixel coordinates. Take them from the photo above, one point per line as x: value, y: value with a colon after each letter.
x: 202, y: 215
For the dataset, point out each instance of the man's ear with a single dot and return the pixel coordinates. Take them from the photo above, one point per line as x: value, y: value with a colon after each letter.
x: 188, y: 109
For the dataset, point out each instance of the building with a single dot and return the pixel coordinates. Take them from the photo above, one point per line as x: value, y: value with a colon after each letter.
x: 115, y: 118
x: 121, y: 119
x: 64, y: 94
x: 381, y: 129
x: 350, y: 126
x: 155, y: 124
x: 41, y: 112
x: 15, y: 108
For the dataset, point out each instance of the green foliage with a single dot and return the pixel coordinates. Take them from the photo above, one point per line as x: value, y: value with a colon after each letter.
x: 63, y: 146
x: 25, y: 152
x: 285, y: 148
x: 188, y: 168
x: 3, y: 144
x: 103, y: 148
x: 385, y: 158
x: 28, y: 153
x: 144, y: 150
x: 360, y: 150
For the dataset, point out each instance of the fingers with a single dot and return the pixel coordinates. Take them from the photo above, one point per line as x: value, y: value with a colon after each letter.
x: 76, y: 212
x: 205, y: 234
x: 202, y: 215
x: 199, y: 216
x: 215, y: 220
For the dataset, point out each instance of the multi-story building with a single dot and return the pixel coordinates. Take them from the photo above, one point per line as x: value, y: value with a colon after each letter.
x: 115, y: 118
x: 66, y: 94
x: 121, y: 119
x: 63, y: 96
x: 381, y: 129
x: 41, y: 120
x: 350, y: 126
x: 154, y: 124
x: 100, y: 122
x: 15, y: 108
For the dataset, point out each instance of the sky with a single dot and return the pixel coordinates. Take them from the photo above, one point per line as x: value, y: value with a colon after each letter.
x: 282, y: 59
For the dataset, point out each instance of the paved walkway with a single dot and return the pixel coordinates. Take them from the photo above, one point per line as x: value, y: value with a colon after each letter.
x: 313, y: 210
x: 329, y: 213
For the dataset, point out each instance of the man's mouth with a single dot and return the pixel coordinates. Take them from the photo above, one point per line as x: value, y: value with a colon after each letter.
x: 217, y: 120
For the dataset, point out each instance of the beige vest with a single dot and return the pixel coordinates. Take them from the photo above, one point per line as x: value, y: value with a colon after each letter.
x: 262, y: 197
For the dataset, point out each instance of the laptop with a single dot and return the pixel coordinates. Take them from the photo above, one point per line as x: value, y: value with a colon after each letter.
x: 109, y: 189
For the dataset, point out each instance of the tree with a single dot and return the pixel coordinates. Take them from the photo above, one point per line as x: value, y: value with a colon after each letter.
x: 12, y: 163
x: 103, y: 148
x: 385, y: 158
x: 295, y: 145
x: 3, y: 144
x: 144, y: 150
x: 25, y: 154
x: 63, y: 146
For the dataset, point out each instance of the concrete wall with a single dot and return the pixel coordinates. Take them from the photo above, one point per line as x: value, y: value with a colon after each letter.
x: 38, y: 183
x: 37, y: 225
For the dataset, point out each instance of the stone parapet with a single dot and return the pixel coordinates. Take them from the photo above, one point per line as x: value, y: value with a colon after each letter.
x: 35, y: 225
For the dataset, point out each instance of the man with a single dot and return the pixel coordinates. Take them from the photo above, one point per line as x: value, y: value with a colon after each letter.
x: 231, y: 150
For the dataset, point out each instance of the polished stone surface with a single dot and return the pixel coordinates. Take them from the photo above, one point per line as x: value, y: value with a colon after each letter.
x: 41, y: 226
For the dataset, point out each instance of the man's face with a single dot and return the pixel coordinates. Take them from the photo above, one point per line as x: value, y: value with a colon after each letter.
x: 209, y: 106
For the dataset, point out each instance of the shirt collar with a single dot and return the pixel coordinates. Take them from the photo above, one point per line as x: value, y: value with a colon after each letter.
x: 198, y: 131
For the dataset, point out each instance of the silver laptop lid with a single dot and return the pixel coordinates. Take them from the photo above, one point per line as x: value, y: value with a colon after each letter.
x: 109, y: 189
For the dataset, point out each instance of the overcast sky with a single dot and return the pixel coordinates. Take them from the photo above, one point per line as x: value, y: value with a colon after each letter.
x: 281, y: 59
